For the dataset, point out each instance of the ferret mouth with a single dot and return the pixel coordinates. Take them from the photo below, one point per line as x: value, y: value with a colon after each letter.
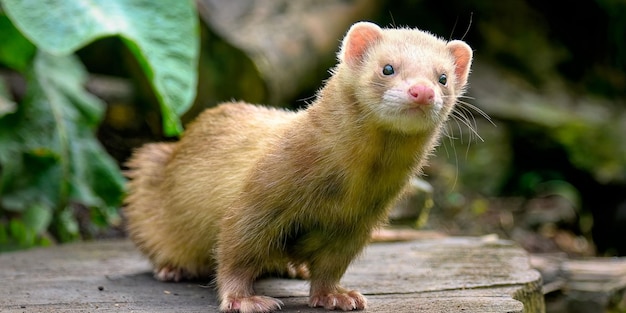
x: 416, y: 110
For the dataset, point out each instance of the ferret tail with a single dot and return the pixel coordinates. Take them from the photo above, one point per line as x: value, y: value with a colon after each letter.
x: 145, y: 167
x: 146, y: 175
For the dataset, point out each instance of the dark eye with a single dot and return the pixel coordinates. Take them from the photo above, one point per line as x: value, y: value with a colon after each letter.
x: 388, y: 70
x: 443, y: 79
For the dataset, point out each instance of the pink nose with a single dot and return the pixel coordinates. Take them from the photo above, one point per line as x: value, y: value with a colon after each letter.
x: 421, y: 94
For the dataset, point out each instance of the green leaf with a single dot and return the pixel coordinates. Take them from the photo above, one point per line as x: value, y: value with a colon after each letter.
x: 66, y: 225
x: 16, y: 51
x: 163, y: 35
x: 25, y: 237
x: 4, y: 235
x: 99, y: 184
x: 29, y: 177
x: 50, y: 156
x: 37, y: 218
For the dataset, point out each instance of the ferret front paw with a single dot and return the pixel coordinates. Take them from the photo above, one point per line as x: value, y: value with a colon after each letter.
x: 171, y: 274
x: 252, y: 304
x: 346, y: 301
x: 298, y: 271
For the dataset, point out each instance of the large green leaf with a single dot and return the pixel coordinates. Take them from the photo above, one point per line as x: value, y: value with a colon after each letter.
x: 16, y: 51
x: 163, y: 35
x: 49, y: 155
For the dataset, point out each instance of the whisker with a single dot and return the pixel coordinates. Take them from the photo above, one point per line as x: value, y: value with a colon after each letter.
x: 473, y: 134
x: 464, y: 97
x: 468, y: 26
x: 453, y: 28
x: 477, y: 110
x: 393, y: 21
x: 446, y: 133
x: 467, y: 115
x: 458, y: 125
x: 307, y: 100
x: 465, y: 121
x: 456, y: 163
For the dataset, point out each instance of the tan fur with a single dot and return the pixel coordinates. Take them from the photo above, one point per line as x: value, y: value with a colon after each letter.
x: 250, y: 190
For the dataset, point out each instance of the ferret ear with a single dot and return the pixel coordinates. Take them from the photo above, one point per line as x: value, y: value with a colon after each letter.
x: 357, y: 41
x: 462, y: 60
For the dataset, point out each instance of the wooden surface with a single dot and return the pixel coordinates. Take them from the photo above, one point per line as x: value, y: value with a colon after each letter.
x: 434, y: 275
x: 582, y: 285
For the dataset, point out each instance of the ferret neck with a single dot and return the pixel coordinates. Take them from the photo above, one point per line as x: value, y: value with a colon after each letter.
x: 337, y: 120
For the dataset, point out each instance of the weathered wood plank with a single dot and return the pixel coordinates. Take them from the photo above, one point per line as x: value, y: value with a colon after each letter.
x: 583, y: 285
x: 435, y: 275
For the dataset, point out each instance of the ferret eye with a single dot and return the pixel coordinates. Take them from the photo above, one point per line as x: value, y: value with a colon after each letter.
x: 443, y: 79
x: 388, y: 70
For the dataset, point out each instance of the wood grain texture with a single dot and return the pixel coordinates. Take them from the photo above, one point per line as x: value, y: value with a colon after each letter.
x: 431, y: 275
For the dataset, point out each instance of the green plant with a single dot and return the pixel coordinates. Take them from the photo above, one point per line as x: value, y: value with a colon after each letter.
x: 50, y: 159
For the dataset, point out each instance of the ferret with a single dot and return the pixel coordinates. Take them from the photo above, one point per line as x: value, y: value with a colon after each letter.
x: 251, y: 190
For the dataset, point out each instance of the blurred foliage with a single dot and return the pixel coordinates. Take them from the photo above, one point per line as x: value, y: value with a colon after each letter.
x: 552, y: 75
x: 51, y: 165
x: 544, y: 41
x: 56, y: 180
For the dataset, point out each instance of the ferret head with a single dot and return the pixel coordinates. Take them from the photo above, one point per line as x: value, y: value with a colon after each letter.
x: 406, y: 80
